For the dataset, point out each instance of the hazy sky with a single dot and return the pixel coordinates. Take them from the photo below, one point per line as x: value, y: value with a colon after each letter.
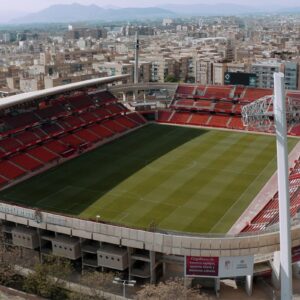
x: 35, y: 5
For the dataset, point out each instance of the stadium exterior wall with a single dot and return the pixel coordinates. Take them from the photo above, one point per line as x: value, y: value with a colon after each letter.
x: 167, y: 243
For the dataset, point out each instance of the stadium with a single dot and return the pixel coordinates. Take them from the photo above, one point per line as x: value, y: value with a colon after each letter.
x: 152, y: 180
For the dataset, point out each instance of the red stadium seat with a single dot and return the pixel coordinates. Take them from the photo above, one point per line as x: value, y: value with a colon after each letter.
x: 219, y: 121
x: 27, y: 138
x: 26, y: 162
x: 87, y: 135
x: 101, y: 131
x: 56, y: 146
x: 185, y: 89
x: 71, y: 140
x: 136, y: 118
x: 10, y: 171
x: 42, y: 154
x: 180, y: 117
x: 10, y: 145
x: 199, y: 119
x: 252, y: 94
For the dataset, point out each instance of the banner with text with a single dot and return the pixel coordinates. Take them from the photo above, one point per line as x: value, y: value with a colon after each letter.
x: 222, y: 267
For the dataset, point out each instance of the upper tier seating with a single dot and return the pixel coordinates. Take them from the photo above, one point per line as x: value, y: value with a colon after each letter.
x: 20, y: 121
x: 51, y: 112
x: 80, y: 101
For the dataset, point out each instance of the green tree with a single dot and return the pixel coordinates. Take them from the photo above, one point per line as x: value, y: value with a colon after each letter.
x: 8, y: 260
x: 171, y: 78
x: 47, y: 279
x: 96, y: 282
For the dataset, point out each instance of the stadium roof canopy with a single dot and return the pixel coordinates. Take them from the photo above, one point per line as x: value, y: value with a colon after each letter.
x: 25, y: 97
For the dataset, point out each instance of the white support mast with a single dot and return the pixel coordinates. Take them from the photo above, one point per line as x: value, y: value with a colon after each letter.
x: 258, y: 115
x: 283, y: 187
x: 136, y: 58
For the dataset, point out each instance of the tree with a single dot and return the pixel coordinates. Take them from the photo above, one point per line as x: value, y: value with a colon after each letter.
x: 47, y: 279
x: 96, y: 282
x: 171, y: 78
x: 171, y: 289
x: 8, y: 258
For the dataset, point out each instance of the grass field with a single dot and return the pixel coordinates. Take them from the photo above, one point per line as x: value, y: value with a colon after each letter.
x: 178, y: 178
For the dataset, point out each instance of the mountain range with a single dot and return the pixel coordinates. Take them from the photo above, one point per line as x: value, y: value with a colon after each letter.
x: 65, y: 13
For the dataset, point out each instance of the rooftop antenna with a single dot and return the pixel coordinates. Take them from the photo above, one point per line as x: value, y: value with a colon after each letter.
x: 136, y: 58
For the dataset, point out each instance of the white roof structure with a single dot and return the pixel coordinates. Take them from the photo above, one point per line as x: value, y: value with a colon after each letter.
x: 25, y: 97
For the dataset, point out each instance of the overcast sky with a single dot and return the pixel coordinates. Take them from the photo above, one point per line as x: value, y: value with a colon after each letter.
x: 35, y: 5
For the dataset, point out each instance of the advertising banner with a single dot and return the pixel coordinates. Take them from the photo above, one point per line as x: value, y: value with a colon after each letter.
x: 201, y: 266
x: 218, y: 267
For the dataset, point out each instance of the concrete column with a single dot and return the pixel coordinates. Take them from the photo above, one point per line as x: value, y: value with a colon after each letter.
x: 152, y: 267
x: 275, y: 265
x: 124, y: 97
x: 249, y: 284
x: 135, y: 94
x: 164, y: 269
x: 129, y: 250
x: 217, y: 287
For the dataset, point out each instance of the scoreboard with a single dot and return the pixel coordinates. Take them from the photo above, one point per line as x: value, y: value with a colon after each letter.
x: 239, y: 78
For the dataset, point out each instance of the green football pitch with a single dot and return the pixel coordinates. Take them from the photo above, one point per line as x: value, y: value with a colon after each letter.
x: 174, y: 178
